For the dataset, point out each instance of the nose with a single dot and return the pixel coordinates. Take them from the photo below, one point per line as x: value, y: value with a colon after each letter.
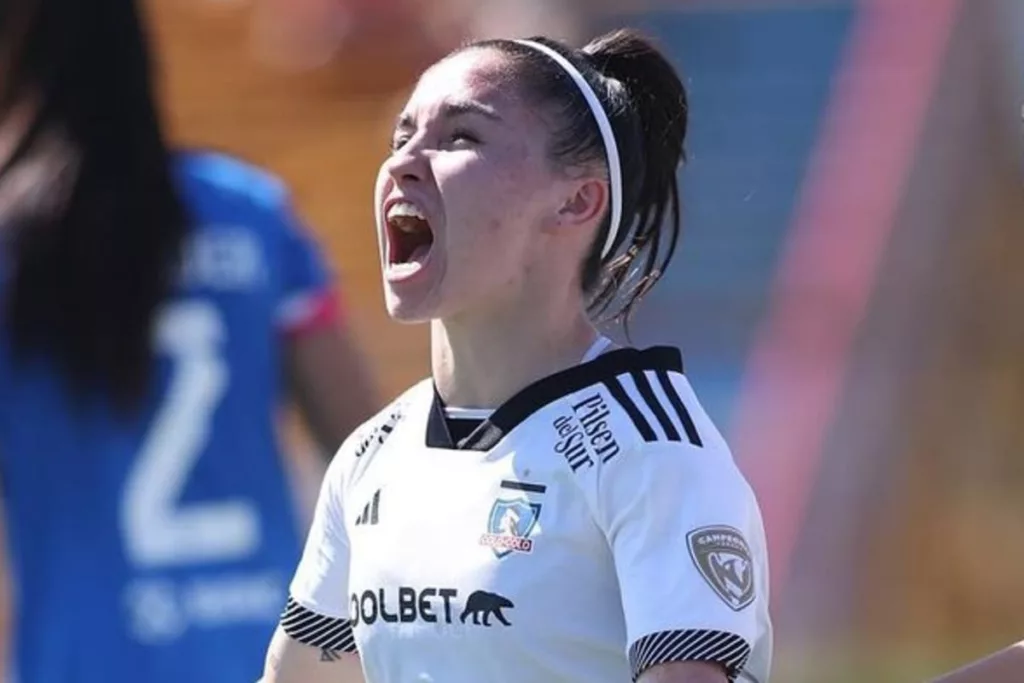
x: 406, y: 165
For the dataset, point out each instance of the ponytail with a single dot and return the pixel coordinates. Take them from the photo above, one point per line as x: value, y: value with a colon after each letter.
x: 656, y: 100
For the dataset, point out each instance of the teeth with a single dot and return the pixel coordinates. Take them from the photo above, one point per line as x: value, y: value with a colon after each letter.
x: 405, y: 210
x: 406, y: 224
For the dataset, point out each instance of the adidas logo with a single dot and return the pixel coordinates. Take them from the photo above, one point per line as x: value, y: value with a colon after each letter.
x: 369, y: 514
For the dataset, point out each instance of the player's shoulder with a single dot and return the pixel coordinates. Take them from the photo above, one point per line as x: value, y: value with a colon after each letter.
x: 643, y: 393
x: 210, y: 178
x: 352, y: 459
x: 628, y: 400
x: 372, y: 435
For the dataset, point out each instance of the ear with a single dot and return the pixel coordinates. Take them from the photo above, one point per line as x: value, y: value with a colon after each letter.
x: 586, y: 204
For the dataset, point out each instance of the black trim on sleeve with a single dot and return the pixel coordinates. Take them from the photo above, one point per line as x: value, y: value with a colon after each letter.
x: 316, y: 630
x: 618, y: 392
x: 690, y: 645
x: 679, y: 407
x: 643, y: 385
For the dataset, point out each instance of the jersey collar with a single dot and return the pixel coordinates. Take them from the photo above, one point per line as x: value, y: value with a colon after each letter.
x: 545, y: 391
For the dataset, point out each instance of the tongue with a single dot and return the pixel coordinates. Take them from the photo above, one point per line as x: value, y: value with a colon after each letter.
x: 419, y: 254
x: 413, y: 264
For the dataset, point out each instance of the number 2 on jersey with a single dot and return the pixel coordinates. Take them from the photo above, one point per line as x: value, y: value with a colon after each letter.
x: 158, y: 532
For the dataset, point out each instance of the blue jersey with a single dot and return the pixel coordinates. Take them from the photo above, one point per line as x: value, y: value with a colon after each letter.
x: 159, y: 549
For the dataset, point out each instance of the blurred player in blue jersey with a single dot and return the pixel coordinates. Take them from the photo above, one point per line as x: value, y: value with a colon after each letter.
x: 154, y: 309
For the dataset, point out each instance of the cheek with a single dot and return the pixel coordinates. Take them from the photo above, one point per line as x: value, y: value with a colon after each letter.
x: 381, y: 188
x: 491, y: 203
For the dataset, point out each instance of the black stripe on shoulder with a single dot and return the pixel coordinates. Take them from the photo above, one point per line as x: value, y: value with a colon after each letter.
x: 690, y: 645
x: 643, y: 385
x: 309, y: 628
x: 618, y: 393
x: 679, y: 407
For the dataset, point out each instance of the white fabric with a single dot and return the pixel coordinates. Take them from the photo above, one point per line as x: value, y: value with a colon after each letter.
x: 608, y: 562
x: 468, y: 413
x: 321, y: 582
x: 600, y: 345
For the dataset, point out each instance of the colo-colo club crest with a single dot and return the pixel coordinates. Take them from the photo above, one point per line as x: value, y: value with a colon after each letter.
x: 723, y: 558
x: 509, y: 526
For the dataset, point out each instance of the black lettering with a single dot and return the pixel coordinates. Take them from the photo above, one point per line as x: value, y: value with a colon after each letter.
x: 407, y: 604
x: 589, y: 402
x: 604, y: 443
x: 412, y: 605
x: 579, y: 458
x: 601, y: 439
x: 574, y: 451
x: 426, y: 608
x: 371, y: 616
x: 608, y: 451
x: 447, y: 594
x: 564, y: 426
x: 595, y: 424
x: 574, y: 440
x: 354, y: 609
x: 594, y: 429
x: 593, y: 421
x: 390, y: 618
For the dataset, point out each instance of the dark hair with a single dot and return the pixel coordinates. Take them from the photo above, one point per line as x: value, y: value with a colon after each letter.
x: 646, y: 104
x: 94, y: 259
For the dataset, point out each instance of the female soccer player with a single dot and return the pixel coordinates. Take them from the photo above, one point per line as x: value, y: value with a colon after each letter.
x: 149, y: 304
x: 547, y: 507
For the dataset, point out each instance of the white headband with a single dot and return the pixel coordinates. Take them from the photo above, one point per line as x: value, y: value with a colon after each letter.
x: 611, y: 150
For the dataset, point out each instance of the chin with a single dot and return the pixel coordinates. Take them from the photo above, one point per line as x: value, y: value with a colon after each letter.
x: 416, y: 298
x: 405, y: 309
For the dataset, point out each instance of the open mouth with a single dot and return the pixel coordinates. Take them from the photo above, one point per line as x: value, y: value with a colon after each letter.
x: 409, y: 236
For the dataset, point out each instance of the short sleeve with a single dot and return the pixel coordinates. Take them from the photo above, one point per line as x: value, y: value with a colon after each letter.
x: 688, y: 544
x: 317, y: 609
x: 306, y: 298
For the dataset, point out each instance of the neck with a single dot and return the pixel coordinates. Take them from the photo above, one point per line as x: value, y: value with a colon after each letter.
x: 482, y: 360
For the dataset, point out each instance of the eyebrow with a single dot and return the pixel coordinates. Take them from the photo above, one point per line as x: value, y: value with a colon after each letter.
x: 451, y: 110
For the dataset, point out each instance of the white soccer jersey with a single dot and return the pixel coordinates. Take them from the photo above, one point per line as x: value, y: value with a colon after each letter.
x: 594, y: 526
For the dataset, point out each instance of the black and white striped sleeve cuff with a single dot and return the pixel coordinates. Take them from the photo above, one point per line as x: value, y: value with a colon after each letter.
x: 316, y: 630
x: 691, y: 645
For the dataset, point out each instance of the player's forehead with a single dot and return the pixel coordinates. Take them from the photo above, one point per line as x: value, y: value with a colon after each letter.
x: 474, y: 76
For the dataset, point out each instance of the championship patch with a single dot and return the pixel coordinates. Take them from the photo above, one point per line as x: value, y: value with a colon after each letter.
x: 509, y: 526
x: 723, y: 558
